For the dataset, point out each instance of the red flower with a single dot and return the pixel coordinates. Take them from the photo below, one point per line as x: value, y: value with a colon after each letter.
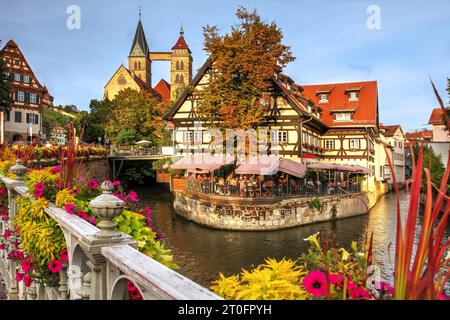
x: 64, y: 255
x: 27, y: 281
x: 59, y: 184
x: 130, y: 286
x: 19, y: 276
x: 315, y: 283
x: 2, y: 192
x: 93, y: 184
x: 55, y: 266
x: 56, y: 169
x: 26, y: 265
x: 20, y: 254
x: 92, y: 220
x: 135, y: 295
x: 7, y: 234
x: 70, y: 208
x: 360, y: 293
x: 75, y: 191
x: 116, y: 183
x: 2, y: 246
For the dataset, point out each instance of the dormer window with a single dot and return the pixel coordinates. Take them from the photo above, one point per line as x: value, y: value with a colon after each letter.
x: 353, y: 95
x: 343, y: 116
x: 323, y: 97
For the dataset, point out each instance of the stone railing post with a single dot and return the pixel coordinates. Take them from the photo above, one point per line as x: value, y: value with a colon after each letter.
x: 63, y: 288
x: 19, y: 171
x: 85, y: 291
x: 106, y: 207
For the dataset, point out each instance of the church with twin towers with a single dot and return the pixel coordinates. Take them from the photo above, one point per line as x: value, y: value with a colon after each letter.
x: 138, y: 74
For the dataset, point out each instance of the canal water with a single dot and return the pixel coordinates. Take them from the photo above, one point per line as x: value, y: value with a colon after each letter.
x: 202, y: 252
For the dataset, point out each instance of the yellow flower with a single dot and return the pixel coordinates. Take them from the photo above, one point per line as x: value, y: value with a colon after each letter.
x: 313, y: 239
x: 64, y: 197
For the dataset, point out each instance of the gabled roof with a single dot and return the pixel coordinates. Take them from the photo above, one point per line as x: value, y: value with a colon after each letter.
x: 295, y: 100
x: 365, y: 109
x: 163, y: 88
x: 389, y: 131
x: 139, y: 48
x: 437, y: 116
x: 180, y: 44
x: 419, y: 135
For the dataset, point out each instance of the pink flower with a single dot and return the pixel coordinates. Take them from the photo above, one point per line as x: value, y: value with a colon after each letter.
x: 2, y: 246
x: 38, y: 194
x: 26, y: 265
x: 2, y: 192
x: 384, y: 287
x: 148, y: 210
x: 56, y: 169
x: 443, y: 297
x: 92, y: 220
x: 93, y: 184
x: 59, y: 184
x: 359, y: 293
x: 75, y: 191
x: 118, y: 195
x: 19, y: 276
x: 130, y: 286
x: 70, y: 208
x: 39, y: 187
x: 64, y: 255
x: 27, y: 281
x: 133, y: 196
x: 55, y: 266
x: 82, y: 214
x: 315, y: 283
x: 116, y: 183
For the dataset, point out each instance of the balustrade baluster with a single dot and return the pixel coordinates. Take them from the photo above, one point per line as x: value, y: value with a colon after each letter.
x: 85, y: 291
x: 63, y: 289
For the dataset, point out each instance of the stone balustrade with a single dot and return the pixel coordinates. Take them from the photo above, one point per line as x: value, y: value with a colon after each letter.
x: 101, y: 260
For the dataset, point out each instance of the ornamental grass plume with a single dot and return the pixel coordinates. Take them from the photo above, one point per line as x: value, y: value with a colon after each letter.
x: 428, y: 268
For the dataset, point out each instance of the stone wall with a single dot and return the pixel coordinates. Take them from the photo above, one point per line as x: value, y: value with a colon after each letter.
x: 256, y: 216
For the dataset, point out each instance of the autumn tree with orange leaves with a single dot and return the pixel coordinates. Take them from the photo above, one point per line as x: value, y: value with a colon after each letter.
x: 243, y: 62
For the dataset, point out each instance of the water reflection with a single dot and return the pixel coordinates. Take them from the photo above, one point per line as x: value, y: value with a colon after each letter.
x: 202, y: 253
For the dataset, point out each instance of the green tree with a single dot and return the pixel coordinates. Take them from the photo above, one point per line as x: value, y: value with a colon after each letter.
x: 93, y: 123
x: 135, y: 116
x: 433, y: 162
x: 244, y: 61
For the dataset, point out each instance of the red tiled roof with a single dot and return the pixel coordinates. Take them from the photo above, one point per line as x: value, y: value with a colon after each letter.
x: 419, y: 135
x: 180, y: 44
x: 389, y: 131
x: 437, y: 116
x: 163, y: 88
x: 364, y: 110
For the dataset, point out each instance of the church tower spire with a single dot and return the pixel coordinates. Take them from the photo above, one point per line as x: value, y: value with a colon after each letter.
x: 180, y: 66
x: 138, y: 61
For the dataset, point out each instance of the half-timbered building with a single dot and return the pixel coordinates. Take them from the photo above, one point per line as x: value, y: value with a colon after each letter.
x: 23, y: 122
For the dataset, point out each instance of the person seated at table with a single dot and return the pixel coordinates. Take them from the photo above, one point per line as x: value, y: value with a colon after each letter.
x: 242, y: 186
x: 221, y: 185
x: 295, y: 186
x: 331, y: 188
x: 310, y: 185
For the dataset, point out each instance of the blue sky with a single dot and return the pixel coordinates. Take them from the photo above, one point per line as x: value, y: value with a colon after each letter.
x: 329, y: 38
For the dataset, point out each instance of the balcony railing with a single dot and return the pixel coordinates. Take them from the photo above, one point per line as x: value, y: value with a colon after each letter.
x: 98, y: 267
x: 270, y: 189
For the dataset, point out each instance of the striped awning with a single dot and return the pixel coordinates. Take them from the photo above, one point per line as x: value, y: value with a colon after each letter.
x: 202, y: 163
x: 293, y: 168
x: 260, y: 165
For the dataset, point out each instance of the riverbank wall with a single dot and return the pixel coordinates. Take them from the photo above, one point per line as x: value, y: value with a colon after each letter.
x: 257, y: 215
x: 98, y: 169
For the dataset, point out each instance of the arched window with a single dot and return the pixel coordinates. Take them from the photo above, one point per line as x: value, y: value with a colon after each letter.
x: 135, y: 65
x: 181, y: 78
x: 177, y: 66
x: 181, y: 65
x: 177, y: 79
x: 139, y: 65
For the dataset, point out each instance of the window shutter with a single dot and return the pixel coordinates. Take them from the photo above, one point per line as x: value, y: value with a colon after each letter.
x: 36, y: 119
x: 27, y: 97
x: 28, y: 118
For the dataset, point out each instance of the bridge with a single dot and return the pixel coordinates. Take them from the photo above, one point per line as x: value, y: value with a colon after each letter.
x: 100, y: 263
x: 119, y: 157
